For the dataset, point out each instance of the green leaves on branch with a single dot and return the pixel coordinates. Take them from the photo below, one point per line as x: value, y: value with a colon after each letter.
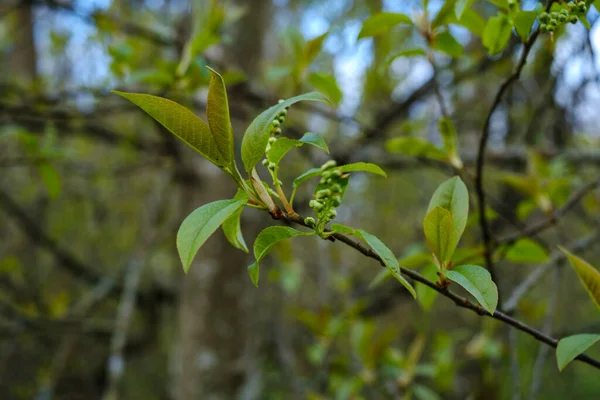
x: 477, y: 281
x: 416, y: 147
x: 282, y: 145
x: 184, y: 124
x: 200, y: 224
x: 265, y: 240
x: 231, y: 226
x: 527, y: 251
x: 497, y: 33
x: 570, y: 347
x: 381, y: 23
x: 382, y: 251
x: 588, y: 275
x: 446, y: 218
x: 256, y: 137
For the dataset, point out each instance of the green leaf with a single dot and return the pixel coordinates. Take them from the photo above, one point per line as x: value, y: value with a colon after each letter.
x: 362, y: 166
x: 265, y: 240
x: 471, y: 20
x: 51, y: 179
x: 231, y: 226
x: 452, y: 195
x: 217, y: 114
x: 450, y: 142
x: 523, y: 22
x: 461, y: 6
x: 256, y: 137
x: 387, y: 256
x: 415, y: 147
x: 200, y: 224
x: 313, y: 47
x: 597, y: 5
x: 446, y: 43
x: 326, y: 84
x: 527, y: 251
x: 438, y: 229
x: 477, y: 281
x: 589, y: 276
x: 405, y: 53
x: 381, y: 23
x: 497, y: 33
x: 342, y: 229
x: 182, y: 123
x: 570, y: 347
x: 311, y: 173
x: 280, y: 148
x: 445, y: 12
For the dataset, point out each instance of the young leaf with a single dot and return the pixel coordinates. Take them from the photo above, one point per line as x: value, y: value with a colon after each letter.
x: 387, y: 256
x: 343, y: 229
x: 497, y: 33
x: 311, y: 173
x: 326, y: 84
x: 182, y: 123
x: 231, y: 226
x: 460, y: 6
x: 589, y: 276
x: 266, y: 239
x: 453, y: 196
x: 527, y: 251
x: 414, y: 147
x: 437, y: 226
x: 446, y: 43
x: 362, y: 166
x: 523, y: 23
x: 280, y: 148
x: 256, y: 137
x: 381, y: 23
x: 217, y: 114
x: 450, y: 142
x: 200, y: 224
x: 570, y: 347
x: 477, y: 281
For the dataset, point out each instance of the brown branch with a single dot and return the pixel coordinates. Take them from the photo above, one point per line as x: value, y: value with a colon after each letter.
x: 483, y: 222
x: 458, y: 300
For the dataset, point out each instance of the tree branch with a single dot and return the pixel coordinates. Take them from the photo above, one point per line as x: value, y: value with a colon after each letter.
x: 458, y: 300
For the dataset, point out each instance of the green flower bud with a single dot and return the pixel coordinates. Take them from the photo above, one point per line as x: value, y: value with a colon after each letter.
x: 272, y: 166
x: 265, y: 162
x: 564, y: 12
x: 277, y: 131
x: 276, y: 123
x: 573, y: 19
x: 544, y: 17
x: 336, y: 188
x: 268, y: 148
x: 336, y: 201
x: 283, y: 113
x: 280, y: 101
x: 332, y: 214
x: 328, y: 164
x: 553, y: 22
x: 310, y: 221
x: 315, y: 204
x: 562, y: 18
x: 281, y: 119
x: 336, y: 172
x: 544, y: 28
x: 328, y: 181
x: 272, y: 140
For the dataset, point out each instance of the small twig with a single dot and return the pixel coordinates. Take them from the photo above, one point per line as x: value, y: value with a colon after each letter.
x: 483, y: 222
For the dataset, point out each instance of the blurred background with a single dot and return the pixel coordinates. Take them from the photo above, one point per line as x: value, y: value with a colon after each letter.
x: 93, y: 300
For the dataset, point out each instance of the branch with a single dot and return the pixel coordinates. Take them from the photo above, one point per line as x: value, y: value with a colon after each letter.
x: 458, y: 300
x: 483, y: 222
x: 554, y: 216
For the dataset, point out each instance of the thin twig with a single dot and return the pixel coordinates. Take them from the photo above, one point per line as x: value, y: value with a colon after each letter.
x: 483, y: 222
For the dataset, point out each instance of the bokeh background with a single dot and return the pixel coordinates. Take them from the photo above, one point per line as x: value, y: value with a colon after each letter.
x: 93, y: 300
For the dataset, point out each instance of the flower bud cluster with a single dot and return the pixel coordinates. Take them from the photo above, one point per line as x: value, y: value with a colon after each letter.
x: 329, y: 194
x: 549, y: 22
x: 275, y: 132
